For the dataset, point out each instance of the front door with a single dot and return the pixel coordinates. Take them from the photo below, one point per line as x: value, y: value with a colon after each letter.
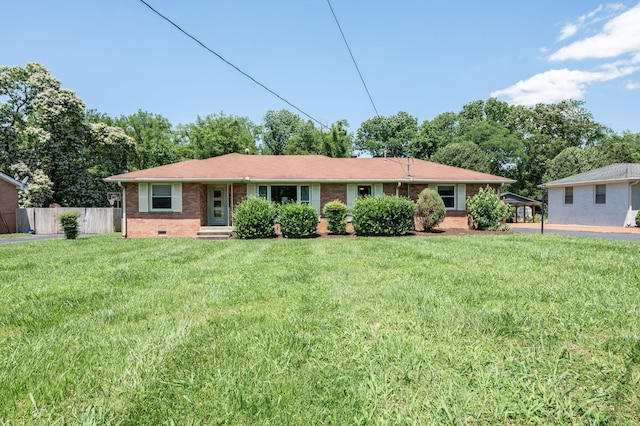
x: 218, y: 205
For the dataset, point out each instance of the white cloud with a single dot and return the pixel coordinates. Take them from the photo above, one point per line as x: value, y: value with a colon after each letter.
x: 556, y: 85
x: 630, y: 85
x: 568, y: 31
x: 621, y: 35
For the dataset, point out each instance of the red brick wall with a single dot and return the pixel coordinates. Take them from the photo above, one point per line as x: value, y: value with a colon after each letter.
x: 332, y: 191
x: 8, y: 206
x: 173, y: 224
x: 239, y: 193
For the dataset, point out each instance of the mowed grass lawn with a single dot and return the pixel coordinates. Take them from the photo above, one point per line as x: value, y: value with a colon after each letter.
x: 507, y: 329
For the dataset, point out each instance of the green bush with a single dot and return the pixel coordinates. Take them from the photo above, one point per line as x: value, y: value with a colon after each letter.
x: 487, y: 210
x: 298, y: 220
x: 69, y: 222
x: 430, y: 210
x: 254, y: 218
x: 336, y: 214
x: 638, y: 219
x: 383, y: 215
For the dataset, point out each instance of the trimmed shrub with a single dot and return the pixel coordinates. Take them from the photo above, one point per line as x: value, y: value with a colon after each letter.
x: 487, y: 210
x: 430, y: 210
x: 298, y: 220
x: 383, y: 215
x: 336, y: 214
x: 69, y: 223
x: 254, y: 218
x: 638, y: 219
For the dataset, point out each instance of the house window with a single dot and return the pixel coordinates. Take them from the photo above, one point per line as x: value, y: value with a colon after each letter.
x: 262, y: 191
x: 601, y: 194
x: 568, y: 195
x: 448, y: 195
x: 284, y: 194
x: 161, y: 197
x: 304, y: 194
x: 364, y: 190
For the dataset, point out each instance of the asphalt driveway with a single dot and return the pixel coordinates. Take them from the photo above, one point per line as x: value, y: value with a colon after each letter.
x: 30, y: 238
x: 606, y: 232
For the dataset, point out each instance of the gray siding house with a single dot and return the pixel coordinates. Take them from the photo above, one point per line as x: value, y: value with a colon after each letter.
x: 608, y: 196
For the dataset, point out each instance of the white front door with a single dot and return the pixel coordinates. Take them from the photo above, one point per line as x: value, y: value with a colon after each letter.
x: 218, y: 205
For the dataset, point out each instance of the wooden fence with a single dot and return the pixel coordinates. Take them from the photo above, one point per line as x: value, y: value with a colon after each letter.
x: 94, y: 220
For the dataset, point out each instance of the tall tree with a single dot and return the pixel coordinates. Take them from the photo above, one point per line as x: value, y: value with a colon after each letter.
x: 46, y: 137
x: 279, y: 128
x: 216, y: 135
x: 391, y: 136
x: 466, y: 155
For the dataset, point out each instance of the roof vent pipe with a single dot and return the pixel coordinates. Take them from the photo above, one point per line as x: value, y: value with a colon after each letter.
x: 246, y: 151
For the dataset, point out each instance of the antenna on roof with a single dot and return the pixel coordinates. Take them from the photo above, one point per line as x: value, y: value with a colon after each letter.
x: 408, y: 167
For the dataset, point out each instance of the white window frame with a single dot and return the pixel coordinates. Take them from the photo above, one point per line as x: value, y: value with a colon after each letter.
x: 453, y: 197
x: 153, y: 197
x: 145, y: 197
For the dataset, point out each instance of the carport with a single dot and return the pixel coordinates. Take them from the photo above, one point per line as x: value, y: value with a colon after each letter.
x: 520, y: 201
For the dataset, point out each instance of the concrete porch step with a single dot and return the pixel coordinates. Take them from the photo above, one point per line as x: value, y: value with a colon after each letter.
x: 214, y: 233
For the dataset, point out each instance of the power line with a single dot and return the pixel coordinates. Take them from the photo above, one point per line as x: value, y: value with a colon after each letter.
x: 230, y: 64
x: 352, y: 58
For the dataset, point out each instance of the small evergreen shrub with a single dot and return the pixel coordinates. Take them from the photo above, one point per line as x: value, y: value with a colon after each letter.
x: 298, y: 220
x: 254, y: 218
x: 69, y: 223
x: 336, y: 214
x: 430, y: 210
x: 487, y: 210
x: 638, y: 219
x: 383, y: 215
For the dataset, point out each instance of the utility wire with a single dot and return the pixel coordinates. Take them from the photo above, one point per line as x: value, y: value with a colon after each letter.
x: 352, y: 58
x: 230, y: 64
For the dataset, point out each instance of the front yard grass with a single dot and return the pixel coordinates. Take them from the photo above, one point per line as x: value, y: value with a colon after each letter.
x: 511, y: 329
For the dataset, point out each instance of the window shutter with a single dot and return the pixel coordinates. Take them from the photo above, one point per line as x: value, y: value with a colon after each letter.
x: 462, y: 196
x: 351, y: 194
x: 377, y: 189
x: 315, y: 196
x: 176, y: 197
x: 143, y: 197
x: 251, y: 189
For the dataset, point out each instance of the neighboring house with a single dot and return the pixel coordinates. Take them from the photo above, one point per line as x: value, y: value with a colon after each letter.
x: 176, y: 200
x: 525, y: 208
x: 9, y: 188
x: 608, y: 196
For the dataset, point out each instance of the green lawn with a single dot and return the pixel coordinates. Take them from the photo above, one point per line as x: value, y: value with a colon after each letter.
x: 507, y: 329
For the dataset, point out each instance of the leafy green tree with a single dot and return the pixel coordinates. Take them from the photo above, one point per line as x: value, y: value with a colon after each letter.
x: 466, y: 155
x: 391, y: 135
x: 216, y: 135
x: 623, y: 148
x: 573, y: 160
x: 153, y: 137
x: 337, y: 142
x: 279, y: 128
x: 46, y: 137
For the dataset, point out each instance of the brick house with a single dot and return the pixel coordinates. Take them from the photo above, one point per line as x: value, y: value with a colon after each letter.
x: 9, y: 188
x: 176, y: 200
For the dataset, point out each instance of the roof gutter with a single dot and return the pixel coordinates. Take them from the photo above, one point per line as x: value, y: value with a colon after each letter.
x: 280, y: 180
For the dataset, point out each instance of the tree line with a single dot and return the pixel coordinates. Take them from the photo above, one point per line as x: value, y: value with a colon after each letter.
x: 48, y: 137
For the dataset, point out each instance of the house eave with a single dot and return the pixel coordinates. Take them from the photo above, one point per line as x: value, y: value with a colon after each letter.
x: 587, y: 183
x: 248, y: 179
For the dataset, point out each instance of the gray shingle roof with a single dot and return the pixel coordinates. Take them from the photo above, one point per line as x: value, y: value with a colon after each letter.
x: 613, y: 172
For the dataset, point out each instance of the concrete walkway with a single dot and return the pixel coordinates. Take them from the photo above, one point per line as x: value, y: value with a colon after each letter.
x: 606, y: 232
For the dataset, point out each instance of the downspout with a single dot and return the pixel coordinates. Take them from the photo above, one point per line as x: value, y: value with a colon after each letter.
x: 631, y: 222
x: 123, y: 221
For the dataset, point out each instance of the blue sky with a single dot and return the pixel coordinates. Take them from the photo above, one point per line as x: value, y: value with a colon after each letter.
x: 417, y: 56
